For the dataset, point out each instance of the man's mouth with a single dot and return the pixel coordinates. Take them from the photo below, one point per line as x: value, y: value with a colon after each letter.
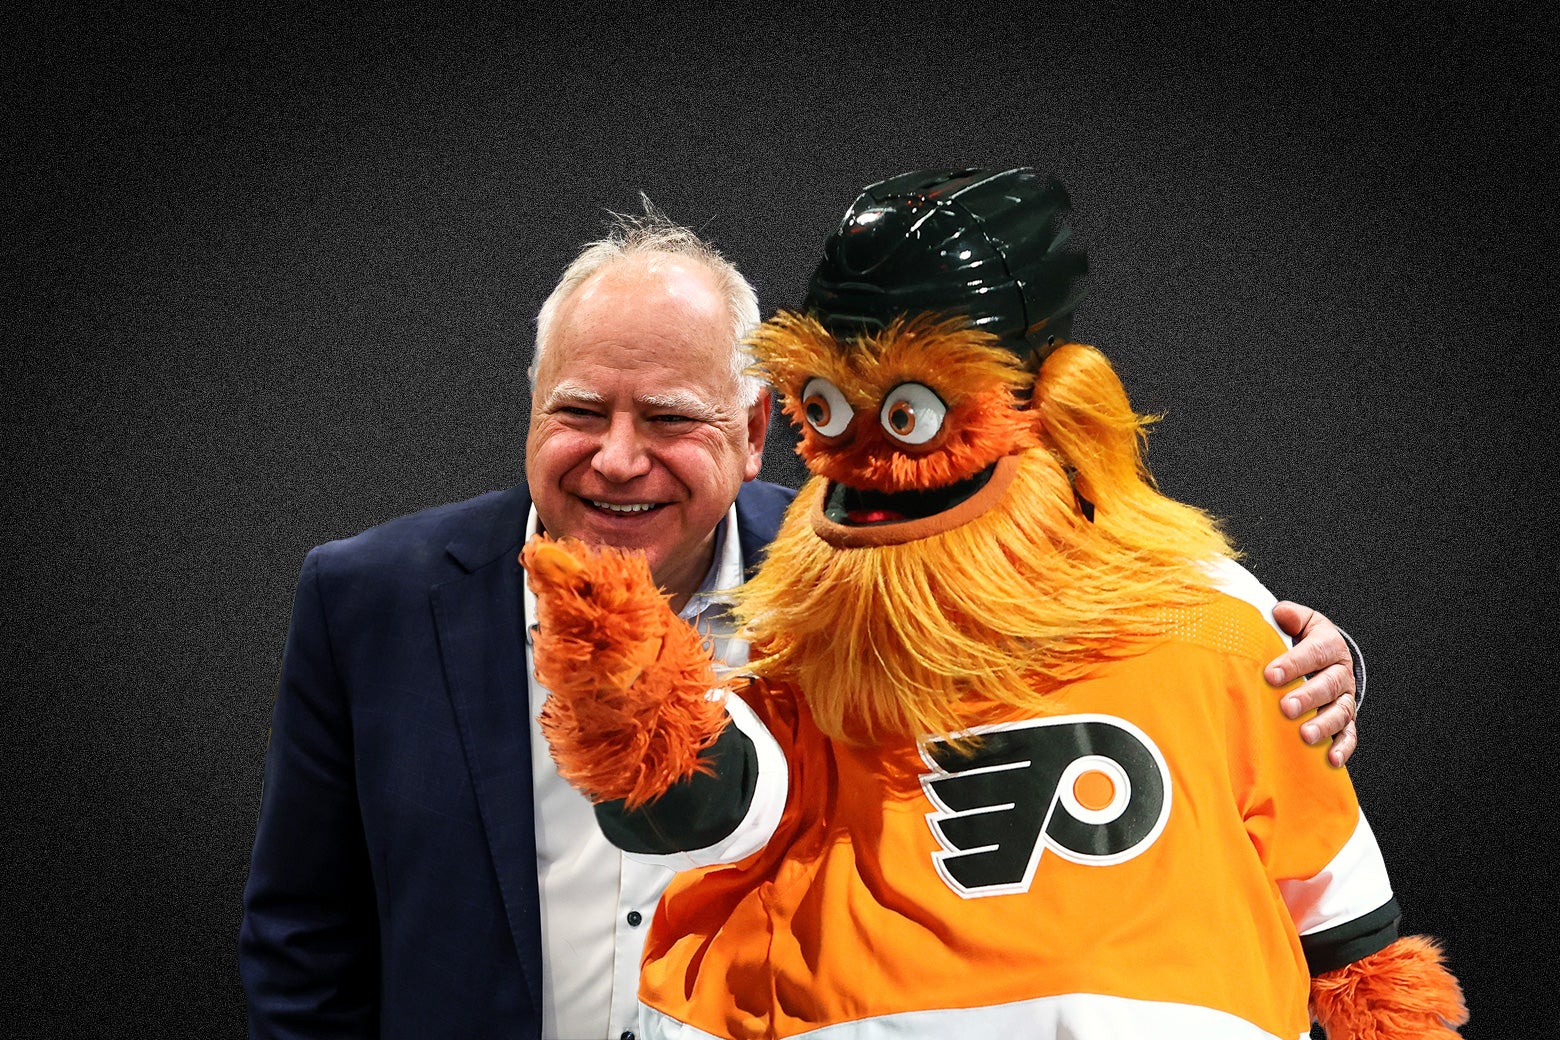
x: 624, y: 508
x: 858, y: 507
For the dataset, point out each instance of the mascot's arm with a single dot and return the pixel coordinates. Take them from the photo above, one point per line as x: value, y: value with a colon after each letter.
x: 1402, y: 992
x: 1367, y: 982
x: 636, y: 719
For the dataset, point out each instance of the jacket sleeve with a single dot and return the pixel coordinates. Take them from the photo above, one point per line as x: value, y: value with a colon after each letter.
x: 309, y: 943
x: 1357, y: 660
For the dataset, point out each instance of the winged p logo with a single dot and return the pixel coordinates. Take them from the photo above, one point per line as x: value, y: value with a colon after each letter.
x: 1092, y: 789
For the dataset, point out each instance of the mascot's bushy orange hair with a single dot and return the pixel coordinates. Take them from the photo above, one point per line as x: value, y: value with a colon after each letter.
x: 930, y: 614
x: 997, y: 769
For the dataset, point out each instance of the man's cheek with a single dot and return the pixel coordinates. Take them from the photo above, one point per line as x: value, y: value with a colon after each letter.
x: 561, y: 449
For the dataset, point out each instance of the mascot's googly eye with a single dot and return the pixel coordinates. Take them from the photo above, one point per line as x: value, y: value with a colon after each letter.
x: 825, y: 407
x: 912, y: 413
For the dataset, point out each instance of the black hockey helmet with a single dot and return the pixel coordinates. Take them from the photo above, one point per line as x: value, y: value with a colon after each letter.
x: 995, y: 245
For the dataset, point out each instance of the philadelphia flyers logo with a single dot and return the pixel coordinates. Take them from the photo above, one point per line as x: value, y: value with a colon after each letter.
x: 1091, y: 789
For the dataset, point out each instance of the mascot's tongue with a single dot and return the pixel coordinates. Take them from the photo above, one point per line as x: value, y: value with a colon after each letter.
x: 874, y: 516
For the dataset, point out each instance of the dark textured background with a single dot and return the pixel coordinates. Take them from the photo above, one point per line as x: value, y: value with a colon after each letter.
x: 269, y: 279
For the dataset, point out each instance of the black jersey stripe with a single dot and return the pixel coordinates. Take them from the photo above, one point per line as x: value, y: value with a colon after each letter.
x: 1332, y: 948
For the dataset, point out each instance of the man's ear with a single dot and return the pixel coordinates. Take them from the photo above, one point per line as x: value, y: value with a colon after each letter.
x: 757, y: 427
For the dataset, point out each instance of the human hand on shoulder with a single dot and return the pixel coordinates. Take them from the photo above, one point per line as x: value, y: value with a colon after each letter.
x: 1322, y: 655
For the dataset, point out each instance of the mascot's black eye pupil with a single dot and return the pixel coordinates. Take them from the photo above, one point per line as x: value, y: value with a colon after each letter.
x: 902, y: 418
x: 817, y: 413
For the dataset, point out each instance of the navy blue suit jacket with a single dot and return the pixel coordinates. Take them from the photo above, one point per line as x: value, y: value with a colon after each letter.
x: 392, y: 890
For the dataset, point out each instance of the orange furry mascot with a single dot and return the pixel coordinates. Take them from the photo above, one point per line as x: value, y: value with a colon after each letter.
x: 1005, y: 764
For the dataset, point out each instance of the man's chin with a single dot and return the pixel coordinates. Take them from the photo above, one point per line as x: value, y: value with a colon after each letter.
x: 648, y: 534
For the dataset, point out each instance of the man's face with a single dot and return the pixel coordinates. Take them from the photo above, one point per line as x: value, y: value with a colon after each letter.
x: 637, y: 438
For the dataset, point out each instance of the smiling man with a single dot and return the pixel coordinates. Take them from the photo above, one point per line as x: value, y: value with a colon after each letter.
x: 419, y: 869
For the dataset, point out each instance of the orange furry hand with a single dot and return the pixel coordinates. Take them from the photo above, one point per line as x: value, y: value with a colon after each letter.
x: 1403, y: 992
x: 629, y: 708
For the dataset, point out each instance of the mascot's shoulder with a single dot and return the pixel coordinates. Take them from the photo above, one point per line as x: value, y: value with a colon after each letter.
x: 1238, y: 621
x: 1238, y: 583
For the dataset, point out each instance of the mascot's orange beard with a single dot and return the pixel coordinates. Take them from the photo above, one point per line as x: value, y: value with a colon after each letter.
x: 962, y: 626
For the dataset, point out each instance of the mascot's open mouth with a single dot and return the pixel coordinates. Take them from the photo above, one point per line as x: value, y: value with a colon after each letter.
x: 857, y: 507
x: 848, y: 517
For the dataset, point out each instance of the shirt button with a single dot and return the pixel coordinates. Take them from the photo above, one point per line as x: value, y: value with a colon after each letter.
x: 634, y: 917
x: 628, y: 1034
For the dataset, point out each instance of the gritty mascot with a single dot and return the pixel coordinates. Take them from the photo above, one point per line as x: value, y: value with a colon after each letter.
x: 1004, y: 763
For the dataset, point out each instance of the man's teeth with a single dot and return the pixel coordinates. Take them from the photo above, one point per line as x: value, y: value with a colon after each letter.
x: 634, y: 507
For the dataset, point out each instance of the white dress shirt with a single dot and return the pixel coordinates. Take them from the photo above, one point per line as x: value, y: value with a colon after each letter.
x: 596, y: 903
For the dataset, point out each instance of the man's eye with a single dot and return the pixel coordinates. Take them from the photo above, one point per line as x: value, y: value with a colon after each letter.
x: 576, y: 413
x: 672, y: 419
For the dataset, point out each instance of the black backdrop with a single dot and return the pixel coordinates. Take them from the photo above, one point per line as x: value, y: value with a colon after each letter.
x: 269, y: 280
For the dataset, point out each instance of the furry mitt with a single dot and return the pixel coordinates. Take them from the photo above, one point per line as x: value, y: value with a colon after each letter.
x: 630, y: 706
x: 1400, y: 993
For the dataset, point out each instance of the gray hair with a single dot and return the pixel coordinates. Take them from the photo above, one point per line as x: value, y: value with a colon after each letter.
x: 629, y: 236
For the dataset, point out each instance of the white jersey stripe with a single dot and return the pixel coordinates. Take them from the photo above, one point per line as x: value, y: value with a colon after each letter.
x: 1073, y: 1015
x: 1352, y: 885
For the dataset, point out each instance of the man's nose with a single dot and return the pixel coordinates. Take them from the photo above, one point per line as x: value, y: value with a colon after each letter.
x: 622, y: 454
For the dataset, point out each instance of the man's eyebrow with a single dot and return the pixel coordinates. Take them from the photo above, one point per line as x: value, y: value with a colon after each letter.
x: 691, y: 405
x: 565, y: 394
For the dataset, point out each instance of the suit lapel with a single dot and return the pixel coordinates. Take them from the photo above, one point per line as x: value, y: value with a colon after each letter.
x: 481, y: 641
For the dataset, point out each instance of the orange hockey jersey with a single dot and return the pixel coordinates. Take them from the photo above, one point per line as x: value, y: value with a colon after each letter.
x: 1159, y: 858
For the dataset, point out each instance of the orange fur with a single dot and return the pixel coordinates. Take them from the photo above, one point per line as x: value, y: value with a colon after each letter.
x: 910, y: 639
x: 629, y: 709
x: 1403, y: 992
x: 1089, y: 423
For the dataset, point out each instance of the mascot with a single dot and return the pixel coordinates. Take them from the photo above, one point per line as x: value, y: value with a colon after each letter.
x: 1003, y: 763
